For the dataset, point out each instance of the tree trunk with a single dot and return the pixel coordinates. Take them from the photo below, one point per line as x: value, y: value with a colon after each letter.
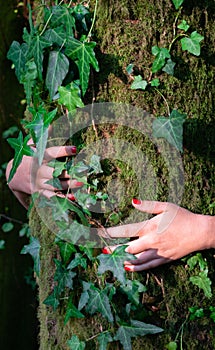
x: 126, y: 31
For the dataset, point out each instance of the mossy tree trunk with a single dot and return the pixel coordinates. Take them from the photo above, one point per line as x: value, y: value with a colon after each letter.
x: 126, y: 31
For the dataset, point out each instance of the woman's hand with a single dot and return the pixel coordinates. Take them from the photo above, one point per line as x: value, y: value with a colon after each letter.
x: 173, y: 233
x: 30, y: 178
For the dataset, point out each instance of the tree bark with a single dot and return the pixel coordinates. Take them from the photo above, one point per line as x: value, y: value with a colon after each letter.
x: 126, y: 31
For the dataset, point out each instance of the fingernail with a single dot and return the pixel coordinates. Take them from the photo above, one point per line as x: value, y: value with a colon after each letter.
x: 136, y: 201
x: 73, y: 149
x: 79, y: 183
x: 71, y: 197
x: 105, y: 251
x: 126, y: 268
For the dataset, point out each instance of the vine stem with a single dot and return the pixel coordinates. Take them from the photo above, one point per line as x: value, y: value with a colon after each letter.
x: 93, y: 21
x: 48, y: 20
x: 168, y: 110
x: 175, y: 39
x: 11, y: 219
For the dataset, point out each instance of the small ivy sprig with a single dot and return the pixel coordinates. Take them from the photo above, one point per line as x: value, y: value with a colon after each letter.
x: 53, y: 64
x: 170, y: 128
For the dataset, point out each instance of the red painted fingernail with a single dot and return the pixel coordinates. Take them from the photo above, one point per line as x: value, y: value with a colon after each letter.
x: 126, y: 268
x: 136, y: 201
x: 71, y: 197
x: 73, y: 149
x: 105, y: 251
x: 79, y: 183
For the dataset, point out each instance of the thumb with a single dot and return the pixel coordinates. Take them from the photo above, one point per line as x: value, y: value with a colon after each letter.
x: 152, y: 207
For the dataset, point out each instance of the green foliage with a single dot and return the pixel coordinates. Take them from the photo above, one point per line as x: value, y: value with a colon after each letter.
x: 136, y: 328
x: 170, y: 128
x: 172, y: 345
x: 177, y: 3
x: 2, y: 244
x: 7, y: 227
x: 21, y: 148
x: 201, y: 280
x: 53, y: 60
x: 161, y: 54
x: 75, y: 344
x: 192, y: 43
x: 103, y: 339
x: 114, y: 263
x: 33, y: 248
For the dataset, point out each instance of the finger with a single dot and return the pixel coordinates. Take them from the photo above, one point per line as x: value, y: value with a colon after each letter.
x: 130, y: 230
x: 146, y: 266
x: 143, y: 257
x: 66, y: 184
x: 59, y: 151
x: 152, y: 207
x: 48, y: 194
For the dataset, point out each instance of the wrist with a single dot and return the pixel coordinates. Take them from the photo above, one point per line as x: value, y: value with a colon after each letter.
x: 207, y: 225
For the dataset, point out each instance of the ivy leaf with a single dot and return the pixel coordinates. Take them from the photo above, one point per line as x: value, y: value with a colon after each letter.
x: 72, y: 232
x: 58, y: 166
x: 169, y: 67
x: 17, y: 54
x: 95, y: 165
x: 2, y: 244
x: 177, y: 3
x: 170, y: 128
x: 78, y: 260
x: 55, y: 182
x: 58, y: 66
x: 7, y: 227
x: 104, y: 338
x: 33, y: 248
x: 66, y: 250
x: 63, y: 276
x: 161, y: 54
x: 139, y: 83
x: 84, y: 56
x: 75, y: 344
x: 28, y: 79
x: 21, y: 148
x: 10, y: 131
x: 137, y: 328
x: 129, y: 68
x: 192, y: 44
x: 115, y: 263
x: 56, y: 35
x: 133, y: 289
x: 84, y: 295
x: 70, y: 96
x: 35, y: 51
x: 72, y: 311
x: 184, y: 25
x: 99, y: 302
x: 61, y: 15
x: 172, y: 345
x: 203, y: 282
x: 53, y: 299
x: 39, y: 129
x: 155, y: 82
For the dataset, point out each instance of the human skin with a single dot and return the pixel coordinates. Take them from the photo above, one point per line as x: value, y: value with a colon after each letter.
x: 30, y: 178
x: 170, y: 235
